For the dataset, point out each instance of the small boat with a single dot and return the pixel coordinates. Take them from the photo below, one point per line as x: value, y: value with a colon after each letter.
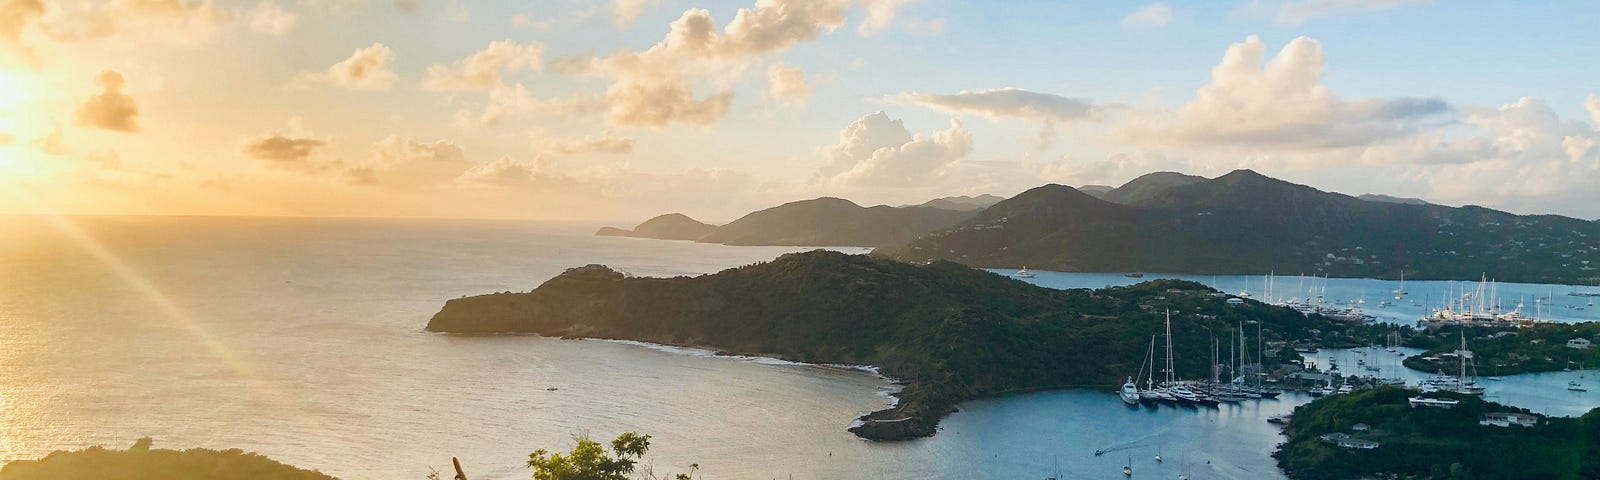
x: 1278, y: 420
x: 1024, y: 273
x: 1576, y: 386
x: 1098, y: 452
x: 1134, y: 275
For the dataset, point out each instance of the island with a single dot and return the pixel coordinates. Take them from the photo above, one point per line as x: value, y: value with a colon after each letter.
x: 1248, y: 223
x: 142, y: 462
x: 1497, y: 351
x: 949, y: 333
x: 672, y: 226
x: 1382, y: 433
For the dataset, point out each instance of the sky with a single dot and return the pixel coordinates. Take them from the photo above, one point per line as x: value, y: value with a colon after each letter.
x: 624, y: 109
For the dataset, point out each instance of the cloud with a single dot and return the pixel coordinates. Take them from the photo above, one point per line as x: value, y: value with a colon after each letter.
x: 111, y: 109
x: 138, y: 21
x: 294, y: 150
x: 15, y: 17
x: 482, y: 69
x: 504, y: 172
x: 270, y: 19
x: 877, y: 151
x: 1154, y: 15
x: 366, y: 69
x: 407, y: 163
x: 787, y: 83
x: 606, y: 142
x: 6, y: 139
x: 51, y: 143
x: 1006, y: 102
x: 1114, y: 169
x: 1279, y: 106
x: 512, y: 102
x: 654, y: 87
x: 408, y: 6
x: 628, y: 11
x: 880, y: 14
x: 1592, y: 104
x: 1295, y: 12
x: 1525, y: 152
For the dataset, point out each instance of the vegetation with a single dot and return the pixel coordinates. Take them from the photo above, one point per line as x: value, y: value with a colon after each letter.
x: 831, y: 221
x: 950, y: 332
x: 141, y: 462
x: 1435, y: 443
x: 1509, y: 351
x: 672, y: 226
x: 1247, y: 223
x: 591, y: 461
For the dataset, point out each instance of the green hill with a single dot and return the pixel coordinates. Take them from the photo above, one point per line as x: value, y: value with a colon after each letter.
x: 1435, y: 443
x: 672, y: 226
x: 1247, y: 223
x: 832, y: 221
x: 950, y: 332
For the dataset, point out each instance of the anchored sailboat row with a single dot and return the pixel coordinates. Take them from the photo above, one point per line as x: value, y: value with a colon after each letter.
x: 1171, y: 389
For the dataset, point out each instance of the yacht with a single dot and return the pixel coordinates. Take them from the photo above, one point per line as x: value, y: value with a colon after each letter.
x: 1576, y: 386
x: 1024, y: 273
x: 1130, y: 393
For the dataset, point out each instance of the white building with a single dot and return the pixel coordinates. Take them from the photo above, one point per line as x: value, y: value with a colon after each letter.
x: 1578, y: 343
x: 1347, y: 441
x: 1508, y: 419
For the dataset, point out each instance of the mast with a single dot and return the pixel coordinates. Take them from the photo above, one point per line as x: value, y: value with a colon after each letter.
x: 1150, y: 376
x: 1170, y: 373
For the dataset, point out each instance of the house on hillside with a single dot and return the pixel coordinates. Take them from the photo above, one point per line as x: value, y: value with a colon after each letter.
x: 1578, y: 343
x: 1344, y: 440
x: 1508, y: 419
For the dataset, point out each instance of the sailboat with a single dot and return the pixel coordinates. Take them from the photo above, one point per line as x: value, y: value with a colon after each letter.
x: 1400, y: 292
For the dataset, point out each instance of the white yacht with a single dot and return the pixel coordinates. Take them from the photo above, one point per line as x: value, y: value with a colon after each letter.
x: 1024, y: 273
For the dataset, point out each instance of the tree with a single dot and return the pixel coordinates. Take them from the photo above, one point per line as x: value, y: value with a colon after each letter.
x: 590, y: 460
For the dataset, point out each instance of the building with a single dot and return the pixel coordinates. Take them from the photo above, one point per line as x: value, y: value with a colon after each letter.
x: 1578, y: 343
x: 1508, y: 419
x: 1360, y: 427
x: 1346, y: 441
x: 1235, y: 301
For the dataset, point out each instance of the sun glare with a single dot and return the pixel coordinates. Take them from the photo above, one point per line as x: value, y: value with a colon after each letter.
x: 11, y: 91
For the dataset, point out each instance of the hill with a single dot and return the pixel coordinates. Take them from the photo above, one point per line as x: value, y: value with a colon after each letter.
x: 829, y: 221
x: 1373, y: 197
x: 962, y: 203
x: 672, y: 226
x: 1247, y: 223
x: 141, y: 462
x: 1434, y: 443
x: 1146, y: 186
x: 950, y: 332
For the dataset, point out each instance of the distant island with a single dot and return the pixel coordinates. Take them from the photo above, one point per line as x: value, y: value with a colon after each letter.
x: 1376, y: 433
x: 672, y: 226
x: 949, y: 332
x: 1248, y: 223
x: 142, y: 462
x: 821, y: 222
x: 1501, y: 351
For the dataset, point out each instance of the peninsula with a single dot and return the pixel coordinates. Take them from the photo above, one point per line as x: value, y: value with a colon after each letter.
x: 951, y: 333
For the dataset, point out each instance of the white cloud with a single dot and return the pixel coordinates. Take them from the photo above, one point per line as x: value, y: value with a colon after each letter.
x: 628, y: 11
x: 787, y: 83
x: 110, y: 109
x: 1006, y: 102
x: 655, y: 87
x: 366, y: 69
x: 880, y: 14
x: 606, y: 142
x: 482, y: 69
x: 1295, y: 12
x: 136, y: 21
x: 514, y: 102
x: 1149, y: 16
x: 504, y: 172
x: 877, y: 151
x: 1280, y: 106
x: 407, y: 163
x: 270, y: 19
x: 1592, y: 104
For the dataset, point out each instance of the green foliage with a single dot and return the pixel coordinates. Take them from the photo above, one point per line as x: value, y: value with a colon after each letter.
x: 1433, y: 443
x: 591, y: 461
x: 952, y: 333
x: 1538, y: 348
x: 142, y: 462
x: 1246, y: 223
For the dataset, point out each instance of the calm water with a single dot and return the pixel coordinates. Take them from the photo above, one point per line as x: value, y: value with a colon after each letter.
x: 301, y: 339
